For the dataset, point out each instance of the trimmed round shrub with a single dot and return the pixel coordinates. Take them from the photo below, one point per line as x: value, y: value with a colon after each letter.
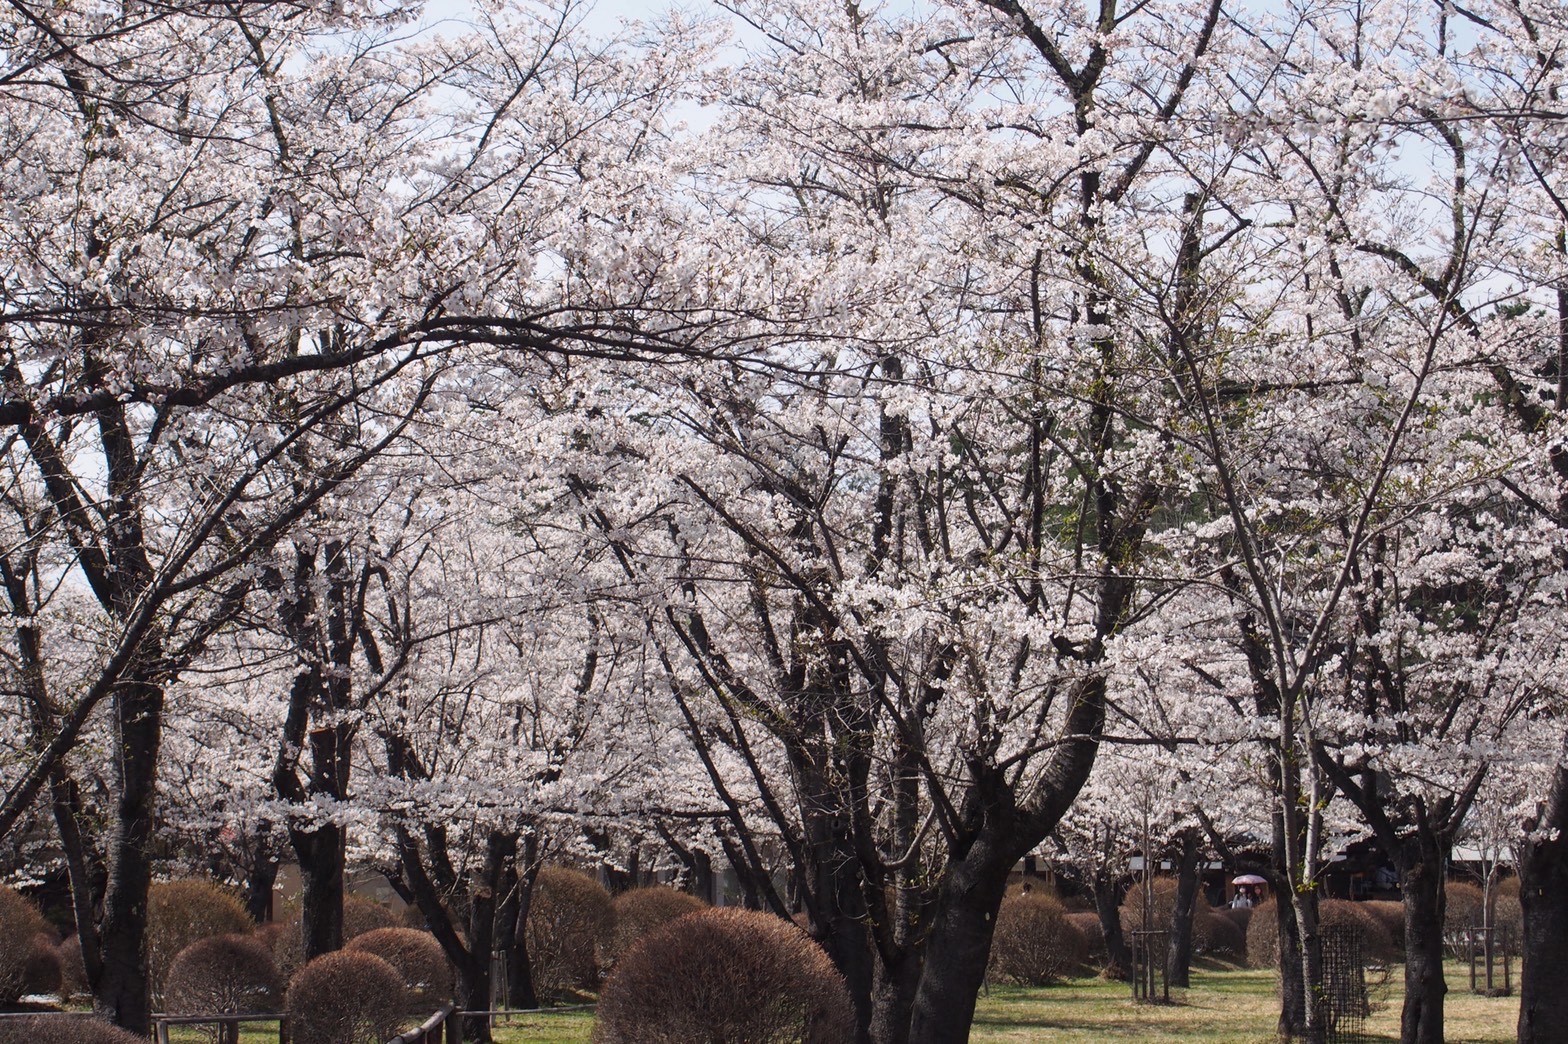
x: 1093, y: 932
x: 361, y: 915
x: 45, y: 1029
x: 570, y: 918
x: 347, y: 997
x: 44, y: 973
x: 725, y: 975
x: 641, y: 910
x: 73, y: 971
x: 1464, y: 907
x: 418, y: 958
x: 1391, y: 915
x: 1240, y: 916
x: 20, y: 925
x: 286, y: 941
x: 181, y: 912
x: 1377, y: 943
x: 1165, y: 910
x: 1034, y: 943
x: 223, y: 974
x: 1226, y: 938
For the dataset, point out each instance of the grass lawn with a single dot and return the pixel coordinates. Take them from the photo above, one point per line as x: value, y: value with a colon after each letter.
x: 1224, y: 1006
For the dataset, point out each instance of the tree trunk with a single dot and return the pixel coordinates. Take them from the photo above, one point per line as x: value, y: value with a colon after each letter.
x: 1309, y: 945
x: 1292, y: 983
x: 261, y: 881
x: 1421, y: 881
x: 893, y: 999
x: 1543, y: 894
x: 123, y: 992
x: 1118, y: 961
x: 1178, y: 955
x: 959, y: 946
x: 321, y: 854
x: 839, y: 918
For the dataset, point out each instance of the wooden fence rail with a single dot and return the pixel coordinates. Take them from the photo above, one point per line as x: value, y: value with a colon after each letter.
x: 228, y: 1025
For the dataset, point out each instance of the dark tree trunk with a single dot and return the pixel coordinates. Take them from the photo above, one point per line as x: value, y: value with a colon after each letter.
x: 262, y: 879
x: 1107, y: 904
x: 1543, y: 894
x: 1178, y: 957
x: 701, y: 882
x: 959, y: 946
x: 1292, y: 982
x: 520, y: 987
x: 321, y: 853
x: 893, y: 999
x: 1421, y: 881
x: 123, y: 992
x: 838, y: 911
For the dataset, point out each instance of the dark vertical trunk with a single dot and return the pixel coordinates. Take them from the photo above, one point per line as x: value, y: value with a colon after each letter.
x: 86, y: 887
x: 701, y: 883
x: 473, y: 973
x: 839, y: 915
x: 321, y: 854
x: 959, y: 946
x: 1421, y: 881
x: 1292, y: 983
x: 1178, y: 956
x: 1118, y: 960
x: 262, y: 879
x: 1543, y: 895
x: 123, y: 992
x: 520, y: 974
x: 893, y: 999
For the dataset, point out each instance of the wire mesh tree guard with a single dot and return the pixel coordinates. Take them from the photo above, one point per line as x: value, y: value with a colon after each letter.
x: 1345, y: 1003
x: 1490, y: 952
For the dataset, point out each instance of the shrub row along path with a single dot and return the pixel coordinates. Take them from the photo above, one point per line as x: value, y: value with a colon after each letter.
x: 1224, y: 1006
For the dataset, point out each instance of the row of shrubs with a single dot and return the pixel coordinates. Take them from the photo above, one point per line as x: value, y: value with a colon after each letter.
x: 1038, y: 941
x: 681, y: 971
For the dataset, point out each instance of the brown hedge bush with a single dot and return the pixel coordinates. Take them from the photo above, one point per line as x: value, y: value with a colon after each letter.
x: 570, y: 918
x: 347, y: 997
x: 45, y: 1029
x: 20, y: 925
x: 1034, y: 943
x: 1464, y: 905
x: 361, y: 915
x: 642, y: 910
x: 1093, y: 932
x: 286, y: 942
x: 417, y: 957
x: 1225, y: 937
x: 44, y: 972
x: 223, y: 974
x: 1390, y: 914
x: 1165, y: 909
x: 1377, y: 942
x: 1240, y: 916
x: 181, y: 912
x: 73, y: 973
x: 723, y: 975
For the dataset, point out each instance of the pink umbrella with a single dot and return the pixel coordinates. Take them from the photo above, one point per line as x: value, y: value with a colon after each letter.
x: 1249, y: 879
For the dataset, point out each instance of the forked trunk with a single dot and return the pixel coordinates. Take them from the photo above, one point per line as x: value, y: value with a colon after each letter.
x: 959, y: 945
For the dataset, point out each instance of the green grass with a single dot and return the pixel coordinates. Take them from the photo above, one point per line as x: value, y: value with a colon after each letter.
x: 1224, y: 1006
